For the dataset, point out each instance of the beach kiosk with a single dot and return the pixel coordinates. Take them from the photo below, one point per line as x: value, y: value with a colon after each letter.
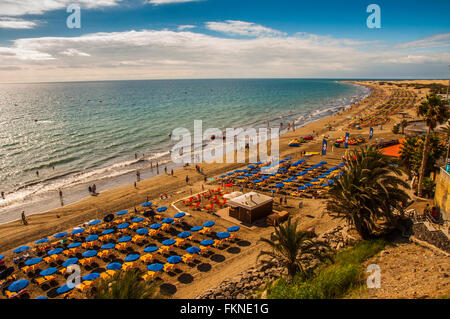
x: 250, y: 207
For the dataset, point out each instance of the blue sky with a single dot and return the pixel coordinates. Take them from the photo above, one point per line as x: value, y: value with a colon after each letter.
x: 127, y: 39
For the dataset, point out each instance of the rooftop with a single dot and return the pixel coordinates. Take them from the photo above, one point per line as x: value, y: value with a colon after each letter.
x: 250, y: 200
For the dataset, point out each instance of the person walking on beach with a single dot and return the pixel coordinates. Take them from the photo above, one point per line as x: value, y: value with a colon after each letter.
x: 138, y: 176
x: 3, y: 195
x: 61, y: 197
x: 24, y: 219
x: 171, y: 172
x: 187, y: 179
x: 135, y: 155
x: 37, y: 173
x: 165, y: 169
x: 94, y: 189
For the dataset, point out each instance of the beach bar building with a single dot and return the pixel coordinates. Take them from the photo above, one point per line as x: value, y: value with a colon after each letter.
x: 250, y: 207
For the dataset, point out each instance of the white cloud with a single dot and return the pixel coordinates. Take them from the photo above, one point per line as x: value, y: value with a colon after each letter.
x: 73, y: 52
x: 159, y: 2
x: 186, y: 54
x: 23, y: 7
x: 185, y: 27
x: 232, y: 27
x: 434, y: 41
x: 13, y: 23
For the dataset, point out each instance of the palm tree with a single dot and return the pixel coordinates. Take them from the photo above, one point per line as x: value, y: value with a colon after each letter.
x: 433, y: 110
x: 446, y: 131
x: 125, y: 285
x: 368, y: 192
x: 291, y: 246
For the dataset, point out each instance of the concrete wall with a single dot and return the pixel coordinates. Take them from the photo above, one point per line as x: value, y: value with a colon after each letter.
x: 442, y: 194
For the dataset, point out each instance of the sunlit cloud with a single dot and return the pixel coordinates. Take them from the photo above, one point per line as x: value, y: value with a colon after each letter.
x: 435, y: 41
x: 232, y: 27
x: 13, y: 23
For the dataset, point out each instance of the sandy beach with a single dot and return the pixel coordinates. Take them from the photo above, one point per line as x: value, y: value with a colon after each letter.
x: 241, y: 255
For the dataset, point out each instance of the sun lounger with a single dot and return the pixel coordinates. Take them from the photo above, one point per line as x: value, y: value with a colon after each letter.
x: 107, y: 274
x: 12, y: 295
x: 169, y: 267
x: 187, y: 258
x: 128, y: 265
x: 42, y: 280
x: 147, y: 257
x: 150, y: 275
x: 86, y: 261
x: 86, y: 285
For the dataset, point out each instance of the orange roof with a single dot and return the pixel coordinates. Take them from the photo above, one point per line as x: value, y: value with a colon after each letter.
x: 393, y: 150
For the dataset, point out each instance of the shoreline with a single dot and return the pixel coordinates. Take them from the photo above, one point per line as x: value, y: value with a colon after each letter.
x: 44, y: 224
x: 76, y: 191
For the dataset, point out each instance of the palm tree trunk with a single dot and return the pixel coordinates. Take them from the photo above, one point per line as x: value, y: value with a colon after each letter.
x: 424, y: 163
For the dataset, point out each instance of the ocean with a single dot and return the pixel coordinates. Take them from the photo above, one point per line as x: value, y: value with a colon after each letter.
x: 80, y: 133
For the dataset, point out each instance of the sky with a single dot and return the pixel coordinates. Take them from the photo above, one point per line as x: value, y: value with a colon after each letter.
x: 177, y: 39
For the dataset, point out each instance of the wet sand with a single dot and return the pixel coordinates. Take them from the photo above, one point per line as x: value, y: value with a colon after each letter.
x: 15, y: 234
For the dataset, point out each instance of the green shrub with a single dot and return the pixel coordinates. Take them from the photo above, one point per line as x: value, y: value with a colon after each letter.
x: 332, y: 281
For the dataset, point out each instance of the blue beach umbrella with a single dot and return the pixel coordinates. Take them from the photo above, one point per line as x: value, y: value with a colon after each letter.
x: 77, y: 231
x: 279, y: 185
x: 65, y: 288
x: 324, y: 185
x: 147, y: 204
x: 55, y: 251
x: 90, y: 253
x: 42, y: 241
x: 108, y: 246
x: 207, y: 242
x: 308, y: 184
x: 184, y: 234
x: 156, y: 226
x: 21, y: 249
x: 91, y: 276
x: 230, y: 173
x: 48, y: 272
x: 123, y: 226
x: 2, y: 257
x: 94, y: 222
x: 132, y: 257
x: 33, y: 261
x: 108, y: 231
x: 302, y: 188
x: 315, y: 180
x: 122, y: 212
x: 196, y: 228
x: 69, y: 262
x: 233, y: 229
x: 179, y: 215
x: 265, y: 177
x: 18, y: 285
x: 209, y: 224
x: 73, y: 245
x: 142, y: 231
x: 60, y: 235
x: 91, y: 238
x: 41, y: 297
x: 161, y: 209
x: 124, y: 239
x: 168, y: 220
x: 256, y: 181
x: 193, y: 250
x: 137, y: 219
x: 223, y: 235
x: 168, y: 242
x: 222, y: 176
x: 114, y: 266
x: 155, y: 267
x: 151, y: 249
x: 241, y: 177
x: 174, y: 259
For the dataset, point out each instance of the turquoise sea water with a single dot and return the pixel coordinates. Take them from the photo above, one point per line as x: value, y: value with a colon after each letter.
x: 85, y: 132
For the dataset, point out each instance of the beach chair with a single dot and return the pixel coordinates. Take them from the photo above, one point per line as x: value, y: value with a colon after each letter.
x: 218, y: 243
x: 203, y: 250
x: 122, y: 246
x: 187, y: 258
x: 42, y: 280
x: 163, y: 250
x: 105, y: 253
x: 169, y: 267
x: 138, y: 239
x: 86, y: 285
x: 86, y: 261
x: 180, y: 242
x: 107, y: 274
x: 13, y: 295
x: 166, y: 227
x: 149, y: 275
x: 147, y: 257
x: 128, y: 265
